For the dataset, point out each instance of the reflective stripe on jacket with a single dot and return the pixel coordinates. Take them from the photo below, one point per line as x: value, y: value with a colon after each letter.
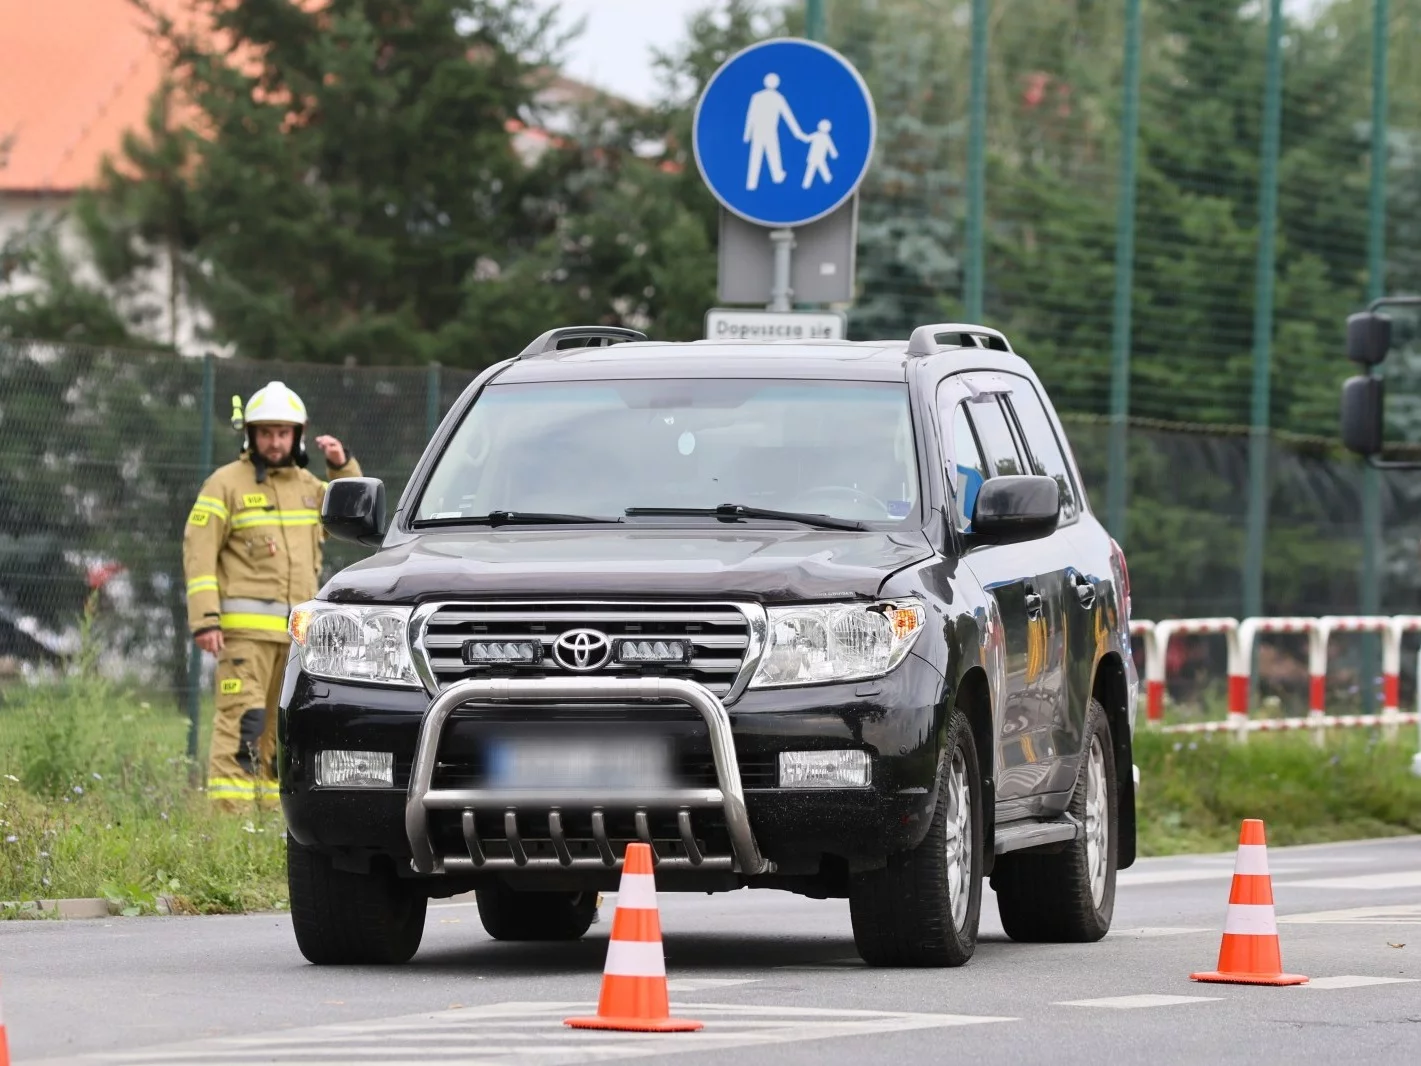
x: 252, y: 551
x: 240, y: 789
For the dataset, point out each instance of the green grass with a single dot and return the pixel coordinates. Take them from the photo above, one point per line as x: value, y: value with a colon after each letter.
x: 95, y: 801
x: 1195, y: 791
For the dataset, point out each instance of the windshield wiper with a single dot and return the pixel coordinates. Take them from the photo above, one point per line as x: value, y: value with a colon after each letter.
x: 732, y: 511
x: 519, y: 518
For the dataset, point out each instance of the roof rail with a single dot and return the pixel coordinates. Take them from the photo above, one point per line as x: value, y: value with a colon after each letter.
x: 552, y: 340
x: 924, y: 338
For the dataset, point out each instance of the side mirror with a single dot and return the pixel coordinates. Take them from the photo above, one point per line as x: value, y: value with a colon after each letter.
x: 1016, y: 507
x: 354, y: 510
x: 1368, y: 337
x: 1362, y: 399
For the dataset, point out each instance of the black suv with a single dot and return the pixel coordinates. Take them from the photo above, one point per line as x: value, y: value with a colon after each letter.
x: 829, y: 617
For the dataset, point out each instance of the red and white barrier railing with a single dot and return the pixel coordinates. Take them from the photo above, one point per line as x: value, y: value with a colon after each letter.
x: 1241, y: 639
x: 1391, y: 629
x: 1157, y: 636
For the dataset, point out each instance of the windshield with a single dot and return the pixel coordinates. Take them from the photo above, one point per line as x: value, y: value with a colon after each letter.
x: 842, y: 449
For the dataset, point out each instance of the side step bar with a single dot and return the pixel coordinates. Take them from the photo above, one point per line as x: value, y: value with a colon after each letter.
x: 1034, y: 832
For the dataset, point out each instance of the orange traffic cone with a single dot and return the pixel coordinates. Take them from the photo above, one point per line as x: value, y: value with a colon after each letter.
x: 1250, y: 953
x: 634, y: 994
x: 4, y: 1044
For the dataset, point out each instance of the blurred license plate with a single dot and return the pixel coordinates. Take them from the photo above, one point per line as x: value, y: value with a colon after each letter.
x: 640, y: 763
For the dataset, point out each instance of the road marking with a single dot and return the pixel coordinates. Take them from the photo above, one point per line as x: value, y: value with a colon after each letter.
x: 1376, y: 882
x: 1354, y: 981
x: 1150, y: 931
x: 1136, y: 1002
x: 1401, y: 914
x: 1221, y: 868
x: 705, y: 984
x: 1170, y: 877
x: 518, y: 1032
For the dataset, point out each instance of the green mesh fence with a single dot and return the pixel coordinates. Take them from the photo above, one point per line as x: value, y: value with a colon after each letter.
x: 100, y: 459
x: 101, y: 454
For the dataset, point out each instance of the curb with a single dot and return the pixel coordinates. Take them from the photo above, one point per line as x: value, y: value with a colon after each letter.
x: 78, y: 908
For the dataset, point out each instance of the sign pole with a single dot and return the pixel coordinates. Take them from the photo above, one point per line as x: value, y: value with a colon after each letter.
x: 814, y: 19
x: 1416, y: 759
x: 1259, y: 438
x: 1376, y: 289
x: 781, y: 290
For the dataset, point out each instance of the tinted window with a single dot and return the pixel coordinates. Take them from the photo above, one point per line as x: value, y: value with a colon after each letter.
x: 1046, y: 455
x: 995, y: 436
x: 967, y: 469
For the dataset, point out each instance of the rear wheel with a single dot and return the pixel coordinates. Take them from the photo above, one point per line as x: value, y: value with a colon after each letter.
x: 1069, y: 896
x: 922, y: 908
x: 343, y: 917
x: 510, y: 915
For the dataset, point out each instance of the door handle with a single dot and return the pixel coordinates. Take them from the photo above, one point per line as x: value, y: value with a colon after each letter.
x: 1085, y: 590
x: 1033, y: 605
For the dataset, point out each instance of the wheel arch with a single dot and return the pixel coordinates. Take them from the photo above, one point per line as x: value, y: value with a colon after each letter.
x: 974, y: 697
x: 1111, y: 689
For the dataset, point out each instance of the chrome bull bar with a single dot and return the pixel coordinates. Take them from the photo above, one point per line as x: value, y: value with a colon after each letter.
x: 422, y: 798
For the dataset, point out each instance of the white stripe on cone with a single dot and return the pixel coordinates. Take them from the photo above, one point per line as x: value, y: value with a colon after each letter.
x: 1251, y: 919
x: 637, y: 892
x: 1252, y: 859
x: 635, y: 958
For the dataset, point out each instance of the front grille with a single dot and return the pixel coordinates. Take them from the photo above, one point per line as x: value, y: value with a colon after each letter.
x: 719, y: 635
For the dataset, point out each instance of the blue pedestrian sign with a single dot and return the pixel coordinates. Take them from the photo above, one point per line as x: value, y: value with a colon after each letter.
x: 784, y: 132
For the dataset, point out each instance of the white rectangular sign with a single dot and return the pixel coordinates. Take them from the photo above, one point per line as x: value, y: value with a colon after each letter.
x: 730, y: 324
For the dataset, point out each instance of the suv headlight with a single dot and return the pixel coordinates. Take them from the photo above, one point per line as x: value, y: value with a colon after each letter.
x: 347, y: 643
x: 843, y: 642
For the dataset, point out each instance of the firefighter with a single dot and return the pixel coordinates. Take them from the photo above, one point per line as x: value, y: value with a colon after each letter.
x: 251, y: 551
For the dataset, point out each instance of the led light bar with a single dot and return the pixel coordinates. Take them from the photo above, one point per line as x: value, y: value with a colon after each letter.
x: 824, y: 769
x: 502, y: 652
x: 355, y: 769
x: 653, y: 651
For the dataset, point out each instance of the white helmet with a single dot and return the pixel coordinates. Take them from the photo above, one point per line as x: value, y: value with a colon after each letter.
x: 274, y: 402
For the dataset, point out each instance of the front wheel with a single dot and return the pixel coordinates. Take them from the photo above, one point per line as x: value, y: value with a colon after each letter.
x: 342, y: 917
x: 923, y: 907
x: 1069, y: 897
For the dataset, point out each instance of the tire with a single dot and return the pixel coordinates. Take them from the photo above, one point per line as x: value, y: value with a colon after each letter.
x: 344, y: 918
x: 1069, y: 897
x: 922, y: 908
x: 510, y: 915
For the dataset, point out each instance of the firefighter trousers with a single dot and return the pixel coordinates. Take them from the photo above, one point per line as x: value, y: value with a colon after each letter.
x: 241, y: 767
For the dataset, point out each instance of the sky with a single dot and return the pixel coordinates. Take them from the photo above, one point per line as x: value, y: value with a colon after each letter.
x: 614, y: 52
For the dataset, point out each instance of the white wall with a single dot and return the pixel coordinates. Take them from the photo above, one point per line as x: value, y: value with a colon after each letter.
x: 147, y: 306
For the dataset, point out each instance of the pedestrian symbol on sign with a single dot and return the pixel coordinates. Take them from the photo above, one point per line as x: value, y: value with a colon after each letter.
x: 762, y: 131
x: 768, y: 108
x: 821, y: 147
x: 770, y: 122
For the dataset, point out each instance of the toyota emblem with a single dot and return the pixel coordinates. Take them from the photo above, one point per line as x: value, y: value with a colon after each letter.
x: 582, y: 650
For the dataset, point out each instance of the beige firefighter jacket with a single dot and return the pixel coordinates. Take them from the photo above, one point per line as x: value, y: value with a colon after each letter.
x: 252, y: 551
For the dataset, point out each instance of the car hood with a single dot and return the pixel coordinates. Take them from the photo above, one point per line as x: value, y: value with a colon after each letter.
x: 764, y: 565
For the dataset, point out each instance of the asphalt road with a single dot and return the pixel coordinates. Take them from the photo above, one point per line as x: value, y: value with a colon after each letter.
x: 774, y: 978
